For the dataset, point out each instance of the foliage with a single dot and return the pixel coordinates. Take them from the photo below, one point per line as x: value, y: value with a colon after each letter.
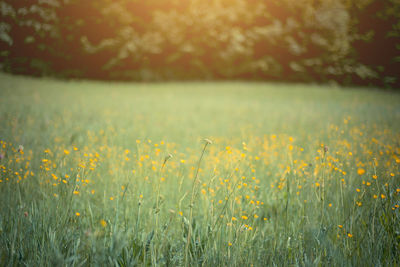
x: 345, y: 41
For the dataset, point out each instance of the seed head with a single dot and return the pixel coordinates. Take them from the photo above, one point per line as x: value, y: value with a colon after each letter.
x: 208, y: 141
x: 166, y: 159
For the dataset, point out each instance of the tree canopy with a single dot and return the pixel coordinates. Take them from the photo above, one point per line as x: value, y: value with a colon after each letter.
x: 346, y: 41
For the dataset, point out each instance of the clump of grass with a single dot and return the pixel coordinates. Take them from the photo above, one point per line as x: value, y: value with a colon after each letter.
x: 192, y: 199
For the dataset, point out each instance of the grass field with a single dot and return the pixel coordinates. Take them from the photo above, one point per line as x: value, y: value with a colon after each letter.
x: 212, y: 174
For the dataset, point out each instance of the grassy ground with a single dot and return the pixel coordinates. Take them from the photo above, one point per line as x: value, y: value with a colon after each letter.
x: 121, y: 174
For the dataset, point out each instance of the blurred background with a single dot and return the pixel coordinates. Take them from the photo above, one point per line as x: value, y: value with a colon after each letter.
x: 346, y: 42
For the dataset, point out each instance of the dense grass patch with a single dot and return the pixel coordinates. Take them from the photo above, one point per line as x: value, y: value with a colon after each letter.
x: 197, y: 174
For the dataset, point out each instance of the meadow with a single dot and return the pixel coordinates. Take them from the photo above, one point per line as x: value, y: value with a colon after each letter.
x: 197, y: 174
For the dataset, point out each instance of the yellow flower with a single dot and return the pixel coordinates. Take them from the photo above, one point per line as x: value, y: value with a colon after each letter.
x: 103, y: 223
x: 383, y: 196
x: 244, y: 217
x: 229, y: 244
x: 66, y: 152
x: 77, y: 214
x: 360, y: 171
x: 349, y: 235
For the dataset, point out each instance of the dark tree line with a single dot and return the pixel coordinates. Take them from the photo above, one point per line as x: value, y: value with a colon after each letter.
x: 346, y: 41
